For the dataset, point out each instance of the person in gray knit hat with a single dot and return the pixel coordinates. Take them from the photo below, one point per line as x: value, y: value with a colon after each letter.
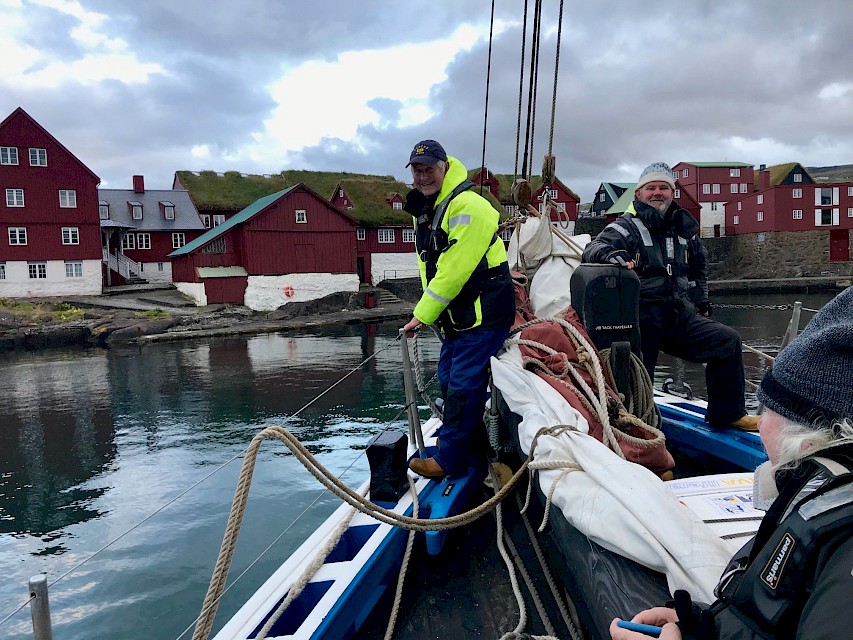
x: 659, y: 240
x: 793, y: 580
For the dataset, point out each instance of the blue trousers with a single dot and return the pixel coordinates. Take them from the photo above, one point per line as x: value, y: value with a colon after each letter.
x: 464, y: 376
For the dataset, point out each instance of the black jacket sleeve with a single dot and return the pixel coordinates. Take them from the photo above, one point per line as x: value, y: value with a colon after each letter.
x: 616, y: 239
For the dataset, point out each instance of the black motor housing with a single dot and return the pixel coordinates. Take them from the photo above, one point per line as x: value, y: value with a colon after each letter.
x: 607, y: 299
x: 386, y: 453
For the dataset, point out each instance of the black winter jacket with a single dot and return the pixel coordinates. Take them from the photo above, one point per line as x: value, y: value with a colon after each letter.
x: 669, y: 257
x: 793, y: 581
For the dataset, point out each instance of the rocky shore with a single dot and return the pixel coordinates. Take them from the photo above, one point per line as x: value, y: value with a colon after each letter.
x: 167, y: 315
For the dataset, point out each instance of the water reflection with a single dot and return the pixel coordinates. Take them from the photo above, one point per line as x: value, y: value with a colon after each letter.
x: 57, y: 433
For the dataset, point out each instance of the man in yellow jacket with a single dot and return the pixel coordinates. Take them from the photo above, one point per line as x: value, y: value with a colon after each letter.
x: 468, y: 294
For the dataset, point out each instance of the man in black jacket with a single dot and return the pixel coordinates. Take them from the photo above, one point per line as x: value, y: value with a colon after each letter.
x: 659, y: 240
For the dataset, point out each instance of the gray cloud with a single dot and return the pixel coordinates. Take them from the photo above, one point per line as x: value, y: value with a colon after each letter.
x: 697, y: 81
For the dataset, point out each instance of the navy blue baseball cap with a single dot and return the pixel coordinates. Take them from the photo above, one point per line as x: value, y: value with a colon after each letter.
x: 427, y: 152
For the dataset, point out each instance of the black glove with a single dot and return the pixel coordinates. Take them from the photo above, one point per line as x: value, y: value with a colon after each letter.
x: 705, y: 308
x: 620, y: 258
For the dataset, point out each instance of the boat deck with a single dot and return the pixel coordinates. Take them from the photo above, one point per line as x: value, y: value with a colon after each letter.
x: 465, y: 592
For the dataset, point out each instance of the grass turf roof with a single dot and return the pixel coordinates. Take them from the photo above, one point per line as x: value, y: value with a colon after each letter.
x: 233, y: 191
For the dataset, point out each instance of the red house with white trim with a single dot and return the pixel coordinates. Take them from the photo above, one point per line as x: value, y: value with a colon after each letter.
x: 50, y: 236
x: 712, y: 185
x: 292, y: 245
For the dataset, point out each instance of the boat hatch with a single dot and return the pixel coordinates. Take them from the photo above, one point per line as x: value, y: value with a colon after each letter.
x: 297, y: 612
x: 351, y: 542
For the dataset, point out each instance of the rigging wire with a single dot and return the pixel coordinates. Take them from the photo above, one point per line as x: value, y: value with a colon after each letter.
x: 520, y: 90
x: 556, y: 74
x: 486, y: 110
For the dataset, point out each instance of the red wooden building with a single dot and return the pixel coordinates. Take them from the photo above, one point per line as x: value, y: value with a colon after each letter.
x: 50, y: 238
x: 292, y: 244
x: 789, y: 199
x: 712, y: 185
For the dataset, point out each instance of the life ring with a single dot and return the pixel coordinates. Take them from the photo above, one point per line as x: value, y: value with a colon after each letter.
x: 289, y: 291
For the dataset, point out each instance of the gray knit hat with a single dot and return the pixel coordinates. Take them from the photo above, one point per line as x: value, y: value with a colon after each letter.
x: 656, y: 172
x: 811, y: 382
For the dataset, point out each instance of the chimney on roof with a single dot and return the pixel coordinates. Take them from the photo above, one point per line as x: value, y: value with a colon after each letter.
x: 138, y: 184
x: 763, y: 178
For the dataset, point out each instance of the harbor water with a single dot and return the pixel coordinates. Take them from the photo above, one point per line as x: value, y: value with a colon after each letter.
x: 138, y: 449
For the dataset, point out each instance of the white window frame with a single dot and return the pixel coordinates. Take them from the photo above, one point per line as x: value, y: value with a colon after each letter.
x: 684, y: 173
x: 38, y: 157
x: 706, y: 188
x: 552, y: 193
x: 743, y: 187
x: 796, y: 193
x: 759, y: 216
x: 397, y: 205
x: 73, y: 269
x: 740, y: 206
x: 798, y: 177
x: 361, y: 233
x: 736, y: 220
x: 561, y: 207
x: 385, y: 236
x: 301, y: 216
x: 218, y: 219
x: 168, y: 210
x: 67, y: 199
x: 733, y: 187
x: 70, y: 235
x: 143, y: 240
x: 136, y: 210
x: 9, y: 155
x: 713, y: 206
x: 734, y: 173
x: 408, y: 235
x: 675, y: 175
x: 17, y: 236
x: 759, y: 199
x: 509, y: 208
x: 179, y: 239
x: 797, y: 214
x: 2, y: 270
x: 601, y: 196
x: 103, y: 210
x: 205, y: 220
x: 506, y: 234
x: 850, y: 191
x: 37, y: 270
x: 850, y: 212
x: 128, y: 241
x: 14, y: 197
x: 677, y: 194
x: 715, y: 188
x: 833, y: 217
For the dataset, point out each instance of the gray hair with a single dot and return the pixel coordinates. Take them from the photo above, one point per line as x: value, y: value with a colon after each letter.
x: 797, y: 441
x: 442, y: 164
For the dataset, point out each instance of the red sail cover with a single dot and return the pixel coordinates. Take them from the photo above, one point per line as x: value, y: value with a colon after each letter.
x: 554, y: 335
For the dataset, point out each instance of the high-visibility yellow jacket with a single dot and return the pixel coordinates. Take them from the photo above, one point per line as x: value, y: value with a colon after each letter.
x: 462, y: 262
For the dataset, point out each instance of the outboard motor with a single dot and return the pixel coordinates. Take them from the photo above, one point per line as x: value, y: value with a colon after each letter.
x: 607, y: 300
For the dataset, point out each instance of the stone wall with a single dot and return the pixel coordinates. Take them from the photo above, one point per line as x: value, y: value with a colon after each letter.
x: 792, y: 254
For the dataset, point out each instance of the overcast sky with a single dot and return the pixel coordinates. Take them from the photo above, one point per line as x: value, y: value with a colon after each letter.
x: 154, y: 86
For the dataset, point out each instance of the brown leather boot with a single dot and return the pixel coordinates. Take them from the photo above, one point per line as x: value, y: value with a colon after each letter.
x: 747, y: 423
x: 427, y: 467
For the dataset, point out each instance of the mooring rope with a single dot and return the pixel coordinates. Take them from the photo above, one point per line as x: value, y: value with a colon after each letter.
x: 404, y: 567
x: 333, y: 484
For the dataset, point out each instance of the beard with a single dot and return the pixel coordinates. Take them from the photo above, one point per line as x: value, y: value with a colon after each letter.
x: 660, y: 205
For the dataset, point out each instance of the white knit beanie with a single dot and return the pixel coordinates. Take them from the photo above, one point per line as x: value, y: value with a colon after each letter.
x: 656, y: 172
